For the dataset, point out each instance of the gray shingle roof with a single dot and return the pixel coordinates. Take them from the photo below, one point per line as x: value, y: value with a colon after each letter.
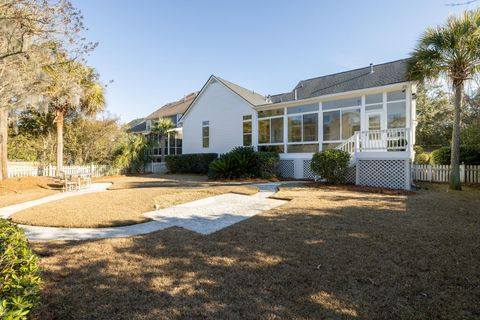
x: 383, y: 74
x: 141, y: 127
x: 249, y: 95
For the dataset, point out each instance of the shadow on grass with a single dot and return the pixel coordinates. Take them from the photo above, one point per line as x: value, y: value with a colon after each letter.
x: 405, y: 257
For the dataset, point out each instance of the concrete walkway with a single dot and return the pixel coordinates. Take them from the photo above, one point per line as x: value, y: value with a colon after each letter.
x: 6, y: 212
x: 204, y: 216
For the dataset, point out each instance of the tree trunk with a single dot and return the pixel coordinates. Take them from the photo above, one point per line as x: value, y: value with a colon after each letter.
x: 455, y: 155
x: 59, y: 123
x: 162, y: 148
x: 3, y: 143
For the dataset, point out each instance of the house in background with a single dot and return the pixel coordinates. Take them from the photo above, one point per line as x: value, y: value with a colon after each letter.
x: 173, y: 111
x: 368, y: 112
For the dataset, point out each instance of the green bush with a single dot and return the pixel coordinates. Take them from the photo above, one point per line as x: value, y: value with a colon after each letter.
x: 244, y: 163
x: 19, y: 274
x: 239, y: 163
x: 418, y: 149
x: 190, y: 163
x: 422, y: 158
x: 267, y: 164
x: 469, y: 155
x: 331, y: 165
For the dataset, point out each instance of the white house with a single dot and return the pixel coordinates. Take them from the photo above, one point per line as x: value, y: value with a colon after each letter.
x: 369, y: 112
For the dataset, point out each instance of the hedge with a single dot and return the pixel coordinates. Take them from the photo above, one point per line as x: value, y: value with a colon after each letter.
x: 190, y: 163
x: 469, y: 155
x: 19, y: 274
x: 244, y: 163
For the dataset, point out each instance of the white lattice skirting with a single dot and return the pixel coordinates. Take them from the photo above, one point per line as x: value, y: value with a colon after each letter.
x: 393, y: 174
x: 286, y: 169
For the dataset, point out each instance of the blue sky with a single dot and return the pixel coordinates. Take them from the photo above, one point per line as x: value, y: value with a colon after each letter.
x: 158, y: 51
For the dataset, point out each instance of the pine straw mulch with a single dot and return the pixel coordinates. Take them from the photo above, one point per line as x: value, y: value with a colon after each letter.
x: 330, y: 253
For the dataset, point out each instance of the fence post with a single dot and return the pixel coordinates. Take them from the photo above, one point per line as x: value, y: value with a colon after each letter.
x: 462, y: 172
x: 92, y: 168
x: 430, y: 173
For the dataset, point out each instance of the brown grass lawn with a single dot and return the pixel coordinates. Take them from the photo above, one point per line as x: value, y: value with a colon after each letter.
x: 330, y: 253
x: 115, y: 207
x: 17, y: 190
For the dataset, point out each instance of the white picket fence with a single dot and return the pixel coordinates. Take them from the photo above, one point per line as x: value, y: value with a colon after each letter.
x: 441, y: 173
x: 32, y: 170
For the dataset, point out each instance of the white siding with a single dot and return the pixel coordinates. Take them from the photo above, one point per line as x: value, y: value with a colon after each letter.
x: 224, y: 110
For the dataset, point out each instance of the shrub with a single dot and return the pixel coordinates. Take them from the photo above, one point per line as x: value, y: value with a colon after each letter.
x: 331, y: 165
x: 267, y: 164
x: 19, y: 273
x: 418, y: 150
x: 468, y: 154
x: 239, y: 163
x: 190, y: 163
x: 422, y: 158
x: 244, y: 162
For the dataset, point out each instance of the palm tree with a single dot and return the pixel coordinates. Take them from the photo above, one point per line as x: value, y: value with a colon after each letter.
x: 74, y: 88
x: 161, y: 128
x: 450, y: 52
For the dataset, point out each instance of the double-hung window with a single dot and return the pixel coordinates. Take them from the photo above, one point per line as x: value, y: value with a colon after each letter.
x: 206, y: 134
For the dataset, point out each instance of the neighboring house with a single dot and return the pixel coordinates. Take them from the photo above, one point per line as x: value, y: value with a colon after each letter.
x: 173, y: 111
x: 368, y: 112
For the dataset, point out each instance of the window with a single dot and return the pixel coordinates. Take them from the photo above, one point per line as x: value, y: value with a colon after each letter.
x: 247, y: 130
x: 270, y: 130
x: 396, y: 109
x: 276, y: 125
x: 302, y: 148
x: 340, y: 125
x: 174, y: 143
x: 270, y: 113
x: 374, y: 102
x: 295, y: 129
x: 350, y: 123
x: 310, y: 127
x: 331, y: 125
x: 263, y: 131
x: 206, y: 134
x: 303, y: 128
x: 342, y: 103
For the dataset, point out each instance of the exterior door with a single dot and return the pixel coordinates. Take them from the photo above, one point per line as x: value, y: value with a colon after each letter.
x: 373, y: 137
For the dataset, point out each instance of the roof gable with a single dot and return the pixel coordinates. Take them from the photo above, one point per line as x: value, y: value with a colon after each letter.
x: 253, y: 98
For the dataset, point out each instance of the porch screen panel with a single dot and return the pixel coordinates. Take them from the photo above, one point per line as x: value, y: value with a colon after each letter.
x: 295, y: 129
x: 277, y: 130
x: 310, y: 127
x: 350, y: 123
x: 264, y: 131
x: 331, y: 125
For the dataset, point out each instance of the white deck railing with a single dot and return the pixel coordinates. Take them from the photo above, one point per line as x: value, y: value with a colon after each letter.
x: 378, y: 140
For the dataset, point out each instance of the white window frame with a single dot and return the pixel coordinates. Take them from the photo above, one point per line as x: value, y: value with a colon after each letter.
x: 302, y: 114
x: 341, y: 126
x: 251, y: 128
x: 206, y: 124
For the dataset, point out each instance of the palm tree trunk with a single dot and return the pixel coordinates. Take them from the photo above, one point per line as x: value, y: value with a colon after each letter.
x: 162, y: 148
x: 59, y: 123
x: 3, y: 143
x: 455, y: 155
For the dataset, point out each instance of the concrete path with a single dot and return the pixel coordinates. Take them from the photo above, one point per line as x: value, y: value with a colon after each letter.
x: 6, y: 212
x: 204, y: 216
